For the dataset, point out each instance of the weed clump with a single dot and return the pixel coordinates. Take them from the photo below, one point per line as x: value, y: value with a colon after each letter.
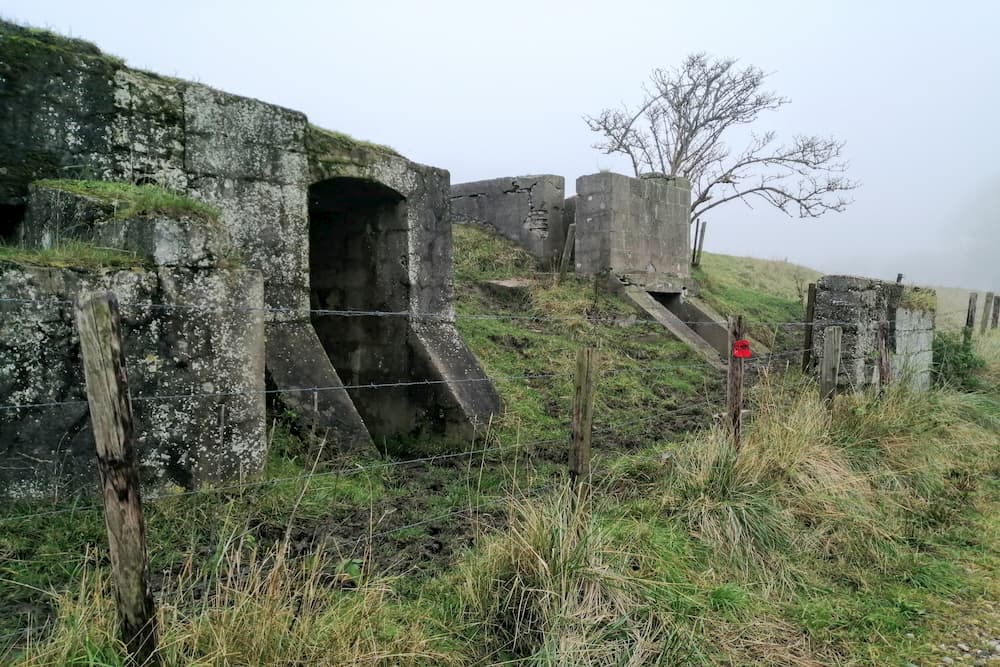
x: 549, y: 590
x: 955, y: 362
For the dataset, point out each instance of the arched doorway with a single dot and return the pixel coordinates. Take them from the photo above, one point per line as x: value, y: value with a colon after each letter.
x: 358, y: 268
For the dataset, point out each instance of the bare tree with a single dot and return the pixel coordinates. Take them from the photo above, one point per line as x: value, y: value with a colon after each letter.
x: 679, y: 129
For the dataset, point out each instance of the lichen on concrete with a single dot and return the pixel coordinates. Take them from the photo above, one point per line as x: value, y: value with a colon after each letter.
x: 636, y: 229
x: 526, y: 209
x: 857, y: 305
x: 68, y: 111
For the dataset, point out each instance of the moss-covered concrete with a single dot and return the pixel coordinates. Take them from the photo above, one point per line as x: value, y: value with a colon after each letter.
x: 125, y: 200
x: 68, y: 111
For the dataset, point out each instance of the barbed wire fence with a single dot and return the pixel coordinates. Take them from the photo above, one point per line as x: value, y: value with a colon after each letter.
x: 572, y: 440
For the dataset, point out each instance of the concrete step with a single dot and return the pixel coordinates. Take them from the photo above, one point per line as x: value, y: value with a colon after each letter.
x: 674, y: 324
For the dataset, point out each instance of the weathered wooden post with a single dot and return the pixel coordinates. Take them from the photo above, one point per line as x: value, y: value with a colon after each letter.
x: 587, y: 360
x: 738, y: 351
x: 99, y: 326
x: 884, y: 358
x: 694, y: 246
x: 830, y: 364
x: 701, y: 243
x: 987, y: 307
x: 567, y: 253
x: 807, y: 338
x: 970, y: 319
x: 996, y: 312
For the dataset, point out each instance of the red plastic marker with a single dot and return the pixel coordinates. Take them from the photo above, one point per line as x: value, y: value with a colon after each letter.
x: 741, y: 349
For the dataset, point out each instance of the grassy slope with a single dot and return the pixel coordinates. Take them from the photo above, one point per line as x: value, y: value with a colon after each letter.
x: 770, y: 294
x: 860, y: 541
x: 771, y: 290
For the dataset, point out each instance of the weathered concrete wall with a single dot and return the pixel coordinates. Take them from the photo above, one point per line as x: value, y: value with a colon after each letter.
x: 67, y: 110
x: 526, y: 209
x: 913, y: 356
x: 636, y: 229
x: 212, y: 348
x: 857, y: 305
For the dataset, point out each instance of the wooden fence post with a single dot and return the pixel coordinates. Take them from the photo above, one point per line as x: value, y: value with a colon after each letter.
x: 996, y: 312
x: 734, y: 381
x: 807, y: 339
x: 587, y: 359
x: 567, y: 253
x: 884, y: 358
x: 701, y: 243
x: 970, y: 319
x: 987, y: 307
x: 99, y: 326
x: 694, y: 246
x: 830, y: 365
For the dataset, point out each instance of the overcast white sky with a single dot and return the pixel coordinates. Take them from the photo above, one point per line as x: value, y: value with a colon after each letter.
x: 489, y: 89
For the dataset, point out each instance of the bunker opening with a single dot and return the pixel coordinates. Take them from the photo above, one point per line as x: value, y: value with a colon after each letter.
x: 11, y: 216
x: 360, y: 293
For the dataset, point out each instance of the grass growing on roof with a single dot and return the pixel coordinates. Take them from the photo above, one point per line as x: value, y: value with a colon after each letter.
x: 131, y: 201
x: 71, y: 255
x: 321, y: 139
x: 918, y: 298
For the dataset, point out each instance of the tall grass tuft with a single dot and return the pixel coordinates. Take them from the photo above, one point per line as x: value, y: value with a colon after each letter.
x: 848, y: 488
x: 549, y: 589
x: 956, y: 363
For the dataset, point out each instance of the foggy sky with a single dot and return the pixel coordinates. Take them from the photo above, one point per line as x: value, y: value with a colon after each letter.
x: 489, y: 89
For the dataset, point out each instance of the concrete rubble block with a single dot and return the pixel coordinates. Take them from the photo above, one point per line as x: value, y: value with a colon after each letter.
x: 511, y: 288
x: 195, y: 336
x: 55, y: 216
x: 525, y: 209
x: 857, y: 305
x: 637, y: 229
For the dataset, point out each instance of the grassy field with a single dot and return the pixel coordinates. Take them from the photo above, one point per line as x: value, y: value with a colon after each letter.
x: 865, y: 537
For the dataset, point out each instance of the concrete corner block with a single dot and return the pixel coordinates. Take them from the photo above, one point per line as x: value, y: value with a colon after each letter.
x: 633, y: 226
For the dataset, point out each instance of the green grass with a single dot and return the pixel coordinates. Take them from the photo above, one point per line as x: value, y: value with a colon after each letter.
x: 765, y: 292
x: 322, y: 140
x: 46, y: 39
x: 71, y: 254
x: 136, y: 201
x: 865, y: 536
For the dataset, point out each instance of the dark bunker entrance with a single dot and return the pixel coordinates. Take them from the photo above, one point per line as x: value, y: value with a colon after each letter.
x: 358, y: 268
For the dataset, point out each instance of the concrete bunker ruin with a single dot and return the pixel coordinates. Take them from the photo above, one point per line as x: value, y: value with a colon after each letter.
x: 327, y: 223
x: 631, y: 233
x: 857, y: 305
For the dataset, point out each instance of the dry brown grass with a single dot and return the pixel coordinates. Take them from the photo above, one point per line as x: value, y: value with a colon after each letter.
x: 249, y: 607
